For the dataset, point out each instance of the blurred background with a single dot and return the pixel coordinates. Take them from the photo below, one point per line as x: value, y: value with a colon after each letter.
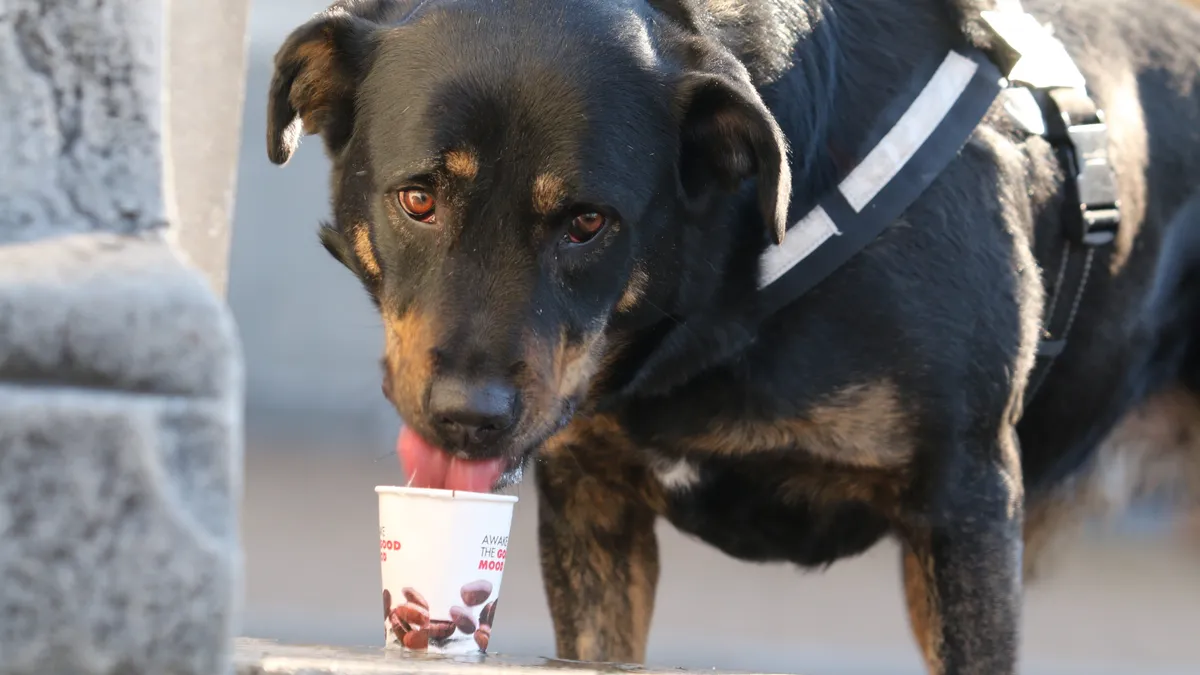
x: 320, y: 437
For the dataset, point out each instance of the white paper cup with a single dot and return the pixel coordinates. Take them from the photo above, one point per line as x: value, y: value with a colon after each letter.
x: 442, y: 554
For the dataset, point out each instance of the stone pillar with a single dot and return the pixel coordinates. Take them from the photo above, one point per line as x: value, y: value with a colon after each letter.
x: 120, y: 368
x: 206, y: 75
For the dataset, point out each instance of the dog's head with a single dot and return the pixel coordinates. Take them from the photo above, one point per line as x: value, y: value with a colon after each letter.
x: 509, y: 178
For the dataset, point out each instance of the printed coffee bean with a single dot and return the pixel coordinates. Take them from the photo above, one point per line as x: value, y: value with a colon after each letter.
x: 413, y: 615
x: 415, y: 598
x: 476, y: 592
x: 482, y: 637
x: 440, y: 629
x: 488, y: 613
x: 462, y: 619
x: 387, y: 603
x: 398, y: 619
x: 418, y: 639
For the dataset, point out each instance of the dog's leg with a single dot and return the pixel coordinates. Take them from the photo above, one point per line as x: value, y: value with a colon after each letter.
x: 599, y: 552
x: 962, y: 572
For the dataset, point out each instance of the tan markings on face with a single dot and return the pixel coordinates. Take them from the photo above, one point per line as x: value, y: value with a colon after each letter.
x: 576, y: 363
x: 462, y: 163
x: 557, y: 370
x: 639, y: 279
x: 861, y: 426
x: 408, y: 350
x: 365, y: 251
x: 1154, y: 449
x: 549, y: 191
x: 314, y: 88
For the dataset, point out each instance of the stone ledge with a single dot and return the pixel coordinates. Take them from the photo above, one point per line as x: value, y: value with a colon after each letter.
x: 105, y: 311
x: 266, y: 657
x: 119, y: 549
x: 120, y: 461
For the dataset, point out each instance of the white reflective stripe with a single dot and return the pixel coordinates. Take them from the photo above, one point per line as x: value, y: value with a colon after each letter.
x: 802, y: 239
x: 910, y: 133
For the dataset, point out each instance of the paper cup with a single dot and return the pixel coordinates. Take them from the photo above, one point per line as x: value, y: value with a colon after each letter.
x: 442, y: 554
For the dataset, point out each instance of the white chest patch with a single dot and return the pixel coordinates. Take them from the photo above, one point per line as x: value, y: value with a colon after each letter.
x: 676, y: 474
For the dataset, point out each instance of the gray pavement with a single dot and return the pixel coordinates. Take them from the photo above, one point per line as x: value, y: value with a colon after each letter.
x: 1119, y: 606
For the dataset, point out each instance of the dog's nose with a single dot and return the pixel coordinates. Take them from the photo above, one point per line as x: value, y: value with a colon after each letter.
x: 472, y: 413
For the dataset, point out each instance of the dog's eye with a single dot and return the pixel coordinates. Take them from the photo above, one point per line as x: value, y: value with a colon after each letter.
x: 418, y: 204
x: 585, y: 226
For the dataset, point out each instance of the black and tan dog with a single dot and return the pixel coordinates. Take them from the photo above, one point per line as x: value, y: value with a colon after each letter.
x: 545, y: 198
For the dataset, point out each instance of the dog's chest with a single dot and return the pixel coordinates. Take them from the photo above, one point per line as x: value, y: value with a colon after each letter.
x: 808, y: 486
x: 768, y: 509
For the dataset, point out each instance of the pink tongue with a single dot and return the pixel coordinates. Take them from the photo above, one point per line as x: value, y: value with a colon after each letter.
x: 429, y: 467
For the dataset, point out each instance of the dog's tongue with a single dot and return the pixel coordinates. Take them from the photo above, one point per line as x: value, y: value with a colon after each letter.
x: 427, y: 466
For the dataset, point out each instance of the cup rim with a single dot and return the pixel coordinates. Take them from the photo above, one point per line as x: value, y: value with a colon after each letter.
x: 445, y: 494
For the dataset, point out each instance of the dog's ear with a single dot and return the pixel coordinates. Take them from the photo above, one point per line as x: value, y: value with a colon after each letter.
x: 728, y: 135
x: 337, y: 246
x: 317, y: 71
x: 336, y: 243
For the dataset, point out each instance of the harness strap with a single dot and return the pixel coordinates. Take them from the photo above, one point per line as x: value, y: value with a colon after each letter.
x: 1091, y: 216
x: 1074, y: 126
x: 910, y: 156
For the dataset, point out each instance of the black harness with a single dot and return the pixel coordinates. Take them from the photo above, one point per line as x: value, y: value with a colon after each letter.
x: 1074, y: 126
x: 918, y: 138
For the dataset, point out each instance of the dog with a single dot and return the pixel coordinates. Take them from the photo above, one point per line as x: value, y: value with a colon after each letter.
x: 548, y: 202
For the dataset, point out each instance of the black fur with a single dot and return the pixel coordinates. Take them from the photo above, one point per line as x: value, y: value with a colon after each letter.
x: 672, y: 118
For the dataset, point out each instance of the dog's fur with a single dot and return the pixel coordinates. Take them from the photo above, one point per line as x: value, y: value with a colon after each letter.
x: 887, y: 401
